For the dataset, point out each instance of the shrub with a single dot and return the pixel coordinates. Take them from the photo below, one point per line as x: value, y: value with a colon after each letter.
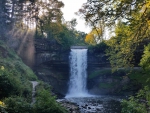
x: 137, y: 104
x: 46, y: 103
x: 18, y: 105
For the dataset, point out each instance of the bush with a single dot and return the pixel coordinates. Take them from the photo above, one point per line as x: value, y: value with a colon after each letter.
x: 17, y: 105
x: 138, y: 104
x: 46, y: 103
x: 11, y: 83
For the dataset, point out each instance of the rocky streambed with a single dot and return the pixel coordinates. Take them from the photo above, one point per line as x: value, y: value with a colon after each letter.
x: 100, y: 104
x: 70, y: 106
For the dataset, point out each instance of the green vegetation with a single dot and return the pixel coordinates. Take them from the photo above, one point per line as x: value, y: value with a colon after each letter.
x: 17, y: 104
x: 131, y: 25
x: 128, y: 19
x: 137, y: 104
x: 99, y: 48
x: 16, y: 88
x: 141, y: 77
x: 141, y: 102
x: 45, y: 102
x: 145, y: 61
x: 14, y: 74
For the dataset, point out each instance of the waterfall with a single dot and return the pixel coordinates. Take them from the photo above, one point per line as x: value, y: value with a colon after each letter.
x: 78, y: 71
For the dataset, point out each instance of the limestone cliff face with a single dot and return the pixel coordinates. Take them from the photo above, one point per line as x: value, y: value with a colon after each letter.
x: 101, y: 80
x: 52, y: 66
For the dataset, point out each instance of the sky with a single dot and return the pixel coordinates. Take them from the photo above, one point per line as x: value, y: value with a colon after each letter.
x: 72, y: 6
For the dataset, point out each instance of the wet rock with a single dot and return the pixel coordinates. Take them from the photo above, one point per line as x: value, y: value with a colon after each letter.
x: 70, y: 106
x: 83, y: 107
x: 86, y: 105
x: 89, y: 107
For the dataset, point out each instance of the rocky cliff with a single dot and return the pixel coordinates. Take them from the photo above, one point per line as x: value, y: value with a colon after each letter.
x: 52, y: 66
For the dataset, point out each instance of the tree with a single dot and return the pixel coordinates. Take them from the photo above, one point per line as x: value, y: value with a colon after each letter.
x: 51, y: 16
x: 133, y: 25
x: 145, y: 61
x: 120, y: 50
x: 90, y: 39
x: 135, y: 13
x: 93, y: 37
x: 71, y: 24
x: 137, y: 104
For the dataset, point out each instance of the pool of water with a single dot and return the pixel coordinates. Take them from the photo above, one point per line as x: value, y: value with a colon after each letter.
x: 101, y: 104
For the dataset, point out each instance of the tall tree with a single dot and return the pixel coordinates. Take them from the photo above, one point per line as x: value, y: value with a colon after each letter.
x: 49, y: 13
x: 109, y: 11
x: 132, y: 17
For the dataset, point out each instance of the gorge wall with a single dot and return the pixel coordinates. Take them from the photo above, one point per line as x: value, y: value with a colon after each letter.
x: 52, y: 66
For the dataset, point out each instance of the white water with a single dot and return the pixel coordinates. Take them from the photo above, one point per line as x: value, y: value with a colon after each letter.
x: 78, y: 71
x: 34, y: 84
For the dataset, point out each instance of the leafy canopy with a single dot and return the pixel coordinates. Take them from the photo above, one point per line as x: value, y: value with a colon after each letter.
x: 129, y: 18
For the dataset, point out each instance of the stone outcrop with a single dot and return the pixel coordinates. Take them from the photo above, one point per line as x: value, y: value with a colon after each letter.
x: 52, y: 66
x: 101, y: 81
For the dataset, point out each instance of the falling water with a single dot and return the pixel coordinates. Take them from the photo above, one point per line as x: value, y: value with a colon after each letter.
x: 78, y: 66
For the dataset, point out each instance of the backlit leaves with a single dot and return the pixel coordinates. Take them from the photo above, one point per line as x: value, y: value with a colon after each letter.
x: 145, y: 61
x: 93, y: 37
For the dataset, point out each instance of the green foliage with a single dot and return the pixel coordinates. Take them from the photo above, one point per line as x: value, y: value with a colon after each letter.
x: 121, y: 47
x: 11, y: 83
x: 50, y: 26
x: 8, y: 83
x: 18, y: 105
x: 140, y: 76
x: 12, y: 61
x: 132, y: 26
x: 137, y: 104
x: 99, y: 48
x: 63, y: 35
x: 108, y: 12
x: 16, y: 89
x: 145, y: 61
x: 94, y: 37
x: 14, y: 74
x: 45, y: 102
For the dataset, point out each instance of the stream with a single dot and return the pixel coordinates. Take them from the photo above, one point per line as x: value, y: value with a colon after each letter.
x: 99, y: 104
